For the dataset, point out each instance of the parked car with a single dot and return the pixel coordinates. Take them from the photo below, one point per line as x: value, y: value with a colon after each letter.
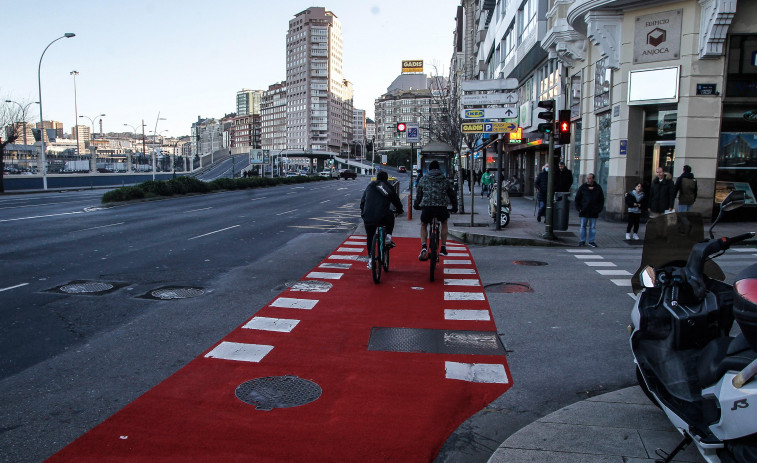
x: 347, y: 174
x: 401, y: 169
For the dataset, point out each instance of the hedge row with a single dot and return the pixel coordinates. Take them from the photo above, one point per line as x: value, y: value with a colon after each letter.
x: 184, y: 185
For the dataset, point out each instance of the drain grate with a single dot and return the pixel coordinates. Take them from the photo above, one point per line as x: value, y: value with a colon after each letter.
x: 89, y: 288
x: 176, y: 292
x: 533, y: 263
x: 424, y: 340
x: 278, y: 392
x: 510, y: 288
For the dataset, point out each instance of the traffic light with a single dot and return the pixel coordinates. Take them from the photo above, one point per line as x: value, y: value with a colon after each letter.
x: 563, y: 126
x: 548, y: 115
x: 401, y: 127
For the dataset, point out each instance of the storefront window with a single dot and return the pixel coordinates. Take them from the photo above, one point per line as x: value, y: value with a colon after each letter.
x: 742, y: 72
x: 603, y: 149
x: 737, y: 155
x: 575, y: 95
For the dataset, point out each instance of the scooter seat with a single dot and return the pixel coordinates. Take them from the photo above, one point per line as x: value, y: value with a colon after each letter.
x: 722, y: 355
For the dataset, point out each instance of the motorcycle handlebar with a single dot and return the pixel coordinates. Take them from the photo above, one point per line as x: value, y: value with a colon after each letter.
x: 699, y: 254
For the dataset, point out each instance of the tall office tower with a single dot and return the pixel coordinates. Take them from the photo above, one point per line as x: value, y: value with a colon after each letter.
x: 319, y: 99
x: 248, y: 102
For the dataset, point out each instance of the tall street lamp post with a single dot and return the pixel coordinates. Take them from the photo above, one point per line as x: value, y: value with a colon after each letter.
x: 67, y: 35
x: 23, y: 113
x: 156, y: 135
x: 76, y: 112
x: 92, y: 147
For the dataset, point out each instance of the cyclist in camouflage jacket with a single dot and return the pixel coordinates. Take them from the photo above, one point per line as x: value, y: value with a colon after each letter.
x: 435, y: 192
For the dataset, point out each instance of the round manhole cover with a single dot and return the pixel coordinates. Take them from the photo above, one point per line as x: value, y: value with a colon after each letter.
x: 277, y: 392
x: 177, y: 293
x: 533, y: 263
x: 510, y: 288
x: 87, y: 287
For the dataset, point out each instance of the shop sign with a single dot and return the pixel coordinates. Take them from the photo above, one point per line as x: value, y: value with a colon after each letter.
x: 657, y: 37
x: 413, y: 65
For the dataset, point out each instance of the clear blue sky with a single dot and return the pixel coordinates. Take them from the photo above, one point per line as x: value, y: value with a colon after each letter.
x: 188, y: 58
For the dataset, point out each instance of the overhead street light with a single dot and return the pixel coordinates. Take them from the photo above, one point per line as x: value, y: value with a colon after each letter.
x: 67, y: 35
x: 23, y: 113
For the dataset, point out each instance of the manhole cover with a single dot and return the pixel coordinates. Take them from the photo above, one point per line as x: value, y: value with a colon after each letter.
x: 176, y: 293
x: 510, y: 288
x: 533, y: 263
x: 86, y: 287
x: 277, y: 392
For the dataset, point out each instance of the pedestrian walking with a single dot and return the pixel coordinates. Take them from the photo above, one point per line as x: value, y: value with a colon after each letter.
x: 486, y: 181
x: 686, y: 189
x: 636, y: 202
x: 590, y: 200
x: 661, y: 195
x: 542, y: 182
x: 563, y: 179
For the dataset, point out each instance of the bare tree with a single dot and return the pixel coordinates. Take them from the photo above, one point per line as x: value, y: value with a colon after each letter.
x: 10, y: 114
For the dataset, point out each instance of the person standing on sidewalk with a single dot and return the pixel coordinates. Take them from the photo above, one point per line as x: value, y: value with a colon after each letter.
x: 661, y: 195
x: 563, y: 179
x: 636, y: 202
x: 686, y: 189
x: 486, y: 180
x: 590, y: 200
x: 542, y: 182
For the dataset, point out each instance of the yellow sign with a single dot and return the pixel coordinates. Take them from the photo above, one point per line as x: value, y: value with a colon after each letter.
x: 413, y: 65
x: 489, y: 127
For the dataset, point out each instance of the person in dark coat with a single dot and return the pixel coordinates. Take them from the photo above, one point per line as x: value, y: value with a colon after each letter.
x: 563, y: 179
x: 686, y: 189
x: 590, y: 200
x: 542, y: 182
x: 661, y: 195
x: 375, y: 208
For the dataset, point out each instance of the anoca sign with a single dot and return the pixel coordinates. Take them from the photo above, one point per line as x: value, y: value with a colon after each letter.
x: 657, y: 37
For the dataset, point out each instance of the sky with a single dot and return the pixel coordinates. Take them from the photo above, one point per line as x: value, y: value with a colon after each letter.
x: 183, y: 59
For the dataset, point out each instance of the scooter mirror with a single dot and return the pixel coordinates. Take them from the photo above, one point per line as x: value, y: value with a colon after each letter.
x: 648, y: 277
x: 734, y: 200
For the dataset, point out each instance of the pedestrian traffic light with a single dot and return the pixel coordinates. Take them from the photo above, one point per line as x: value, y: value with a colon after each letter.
x: 563, y: 126
x: 548, y: 115
x: 401, y: 127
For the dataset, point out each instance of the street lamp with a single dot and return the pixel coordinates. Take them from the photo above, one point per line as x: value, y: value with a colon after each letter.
x: 67, y: 35
x: 23, y: 113
x: 156, y: 134
x: 92, y: 121
x: 76, y: 112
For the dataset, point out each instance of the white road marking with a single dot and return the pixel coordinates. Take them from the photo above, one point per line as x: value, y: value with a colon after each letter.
x: 600, y: 264
x: 579, y: 251
x: 325, y: 275
x: 461, y: 282
x: 457, y: 262
x: 344, y: 257
x: 622, y: 282
x: 292, y: 303
x: 41, y: 216
x: 335, y: 265
x: 476, y: 372
x: 287, y: 212
x: 614, y: 272
x: 13, y: 287
x: 240, y: 352
x: 281, y: 325
x: 354, y: 243
x: 456, y: 248
x: 458, y: 254
x: 460, y: 271
x: 201, y: 209
x: 213, y: 232
x: 633, y: 296
x: 346, y: 249
x: 312, y: 286
x: 587, y: 256
x: 469, y: 315
x: 463, y: 296
x: 101, y: 226
x: 739, y: 249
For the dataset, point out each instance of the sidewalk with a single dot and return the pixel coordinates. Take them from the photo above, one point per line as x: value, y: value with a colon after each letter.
x: 620, y: 426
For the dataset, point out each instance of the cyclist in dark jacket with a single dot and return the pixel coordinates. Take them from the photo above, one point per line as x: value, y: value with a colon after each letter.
x: 435, y: 192
x: 375, y: 208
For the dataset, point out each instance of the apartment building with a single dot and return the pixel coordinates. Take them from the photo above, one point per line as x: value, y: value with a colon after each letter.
x: 248, y: 102
x: 408, y: 99
x: 273, y: 108
x: 319, y: 98
x: 245, y: 133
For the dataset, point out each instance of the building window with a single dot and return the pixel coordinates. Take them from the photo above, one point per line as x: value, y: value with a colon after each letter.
x: 602, y: 84
x: 604, y: 124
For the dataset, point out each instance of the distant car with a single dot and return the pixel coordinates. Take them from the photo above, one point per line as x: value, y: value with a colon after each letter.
x: 347, y: 174
x: 402, y: 169
x: 293, y: 174
x: 326, y: 173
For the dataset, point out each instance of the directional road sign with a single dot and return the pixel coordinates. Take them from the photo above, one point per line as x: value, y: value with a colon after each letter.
x: 489, y: 98
x: 506, y: 112
x: 490, y: 84
x: 413, y: 134
x: 489, y: 127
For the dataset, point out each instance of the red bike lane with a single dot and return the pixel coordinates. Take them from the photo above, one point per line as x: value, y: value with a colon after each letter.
x: 334, y: 368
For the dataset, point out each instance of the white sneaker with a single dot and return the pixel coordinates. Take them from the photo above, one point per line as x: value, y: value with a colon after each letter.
x: 628, y: 236
x: 635, y: 236
x: 370, y: 264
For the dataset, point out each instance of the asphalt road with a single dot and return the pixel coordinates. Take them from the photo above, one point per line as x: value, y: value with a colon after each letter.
x: 72, y: 359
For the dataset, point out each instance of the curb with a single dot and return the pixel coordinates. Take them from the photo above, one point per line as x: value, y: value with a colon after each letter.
x: 489, y: 240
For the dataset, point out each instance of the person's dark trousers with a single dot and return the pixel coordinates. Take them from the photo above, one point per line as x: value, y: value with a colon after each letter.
x: 370, y: 230
x: 633, y: 222
x: 542, y: 209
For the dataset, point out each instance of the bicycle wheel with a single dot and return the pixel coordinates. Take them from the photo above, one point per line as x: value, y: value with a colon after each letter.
x: 375, y: 257
x: 433, y: 249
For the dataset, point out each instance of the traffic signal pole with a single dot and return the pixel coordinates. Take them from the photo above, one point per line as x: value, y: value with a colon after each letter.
x: 548, y: 225
x: 410, y: 196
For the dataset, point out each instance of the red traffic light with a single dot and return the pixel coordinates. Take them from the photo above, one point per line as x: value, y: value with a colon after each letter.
x: 401, y: 127
x: 564, y: 126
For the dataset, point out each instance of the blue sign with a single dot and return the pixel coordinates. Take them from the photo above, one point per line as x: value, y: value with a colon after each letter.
x: 623, y: 147
x: 413, y: 133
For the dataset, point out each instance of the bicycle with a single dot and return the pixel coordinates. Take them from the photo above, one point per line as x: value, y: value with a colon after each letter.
x: 379, y: 254
x: 434, y: 243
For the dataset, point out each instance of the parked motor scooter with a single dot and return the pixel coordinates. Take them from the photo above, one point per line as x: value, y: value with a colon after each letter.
x: 505, y: 207
x: 688, y: 363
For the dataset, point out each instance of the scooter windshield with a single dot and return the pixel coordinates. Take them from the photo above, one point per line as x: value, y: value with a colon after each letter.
x: 668, y: 239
